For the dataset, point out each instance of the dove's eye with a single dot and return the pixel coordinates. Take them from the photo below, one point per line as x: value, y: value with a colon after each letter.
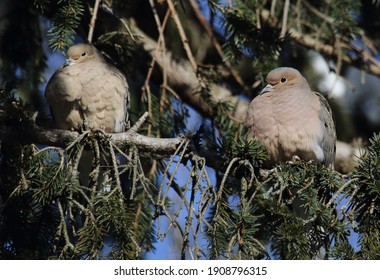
x: 84, y: 54
x: 283, y: 80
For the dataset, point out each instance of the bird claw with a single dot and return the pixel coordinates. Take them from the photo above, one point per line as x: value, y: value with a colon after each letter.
x: 294, y: 159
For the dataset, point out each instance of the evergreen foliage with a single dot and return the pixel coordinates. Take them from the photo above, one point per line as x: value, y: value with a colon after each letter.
x: 365, y: 196
x: 211, y: 198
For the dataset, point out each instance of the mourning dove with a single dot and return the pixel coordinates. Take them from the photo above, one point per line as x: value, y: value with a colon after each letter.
x: 291, y: 120
x: 88, y: 92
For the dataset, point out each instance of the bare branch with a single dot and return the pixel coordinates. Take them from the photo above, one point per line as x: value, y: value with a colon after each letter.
x: 28, y: 134
x: 183, y: 79
x: 140, y: 122
x: 210, y: 33
x: 329, y: 50
x: 182, y: 34
x: 93, y: 20
x: 285, y: 18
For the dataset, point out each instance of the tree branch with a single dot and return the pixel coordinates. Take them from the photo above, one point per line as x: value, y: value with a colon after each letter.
x: 182, y: 77
x: 364, y: 61
x: 182, y: 34
x: 28, y: 134
x: 93, y: 20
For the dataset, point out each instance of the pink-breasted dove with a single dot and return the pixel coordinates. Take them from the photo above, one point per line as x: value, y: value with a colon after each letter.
x: 289, y: 119
x: 88, y: 92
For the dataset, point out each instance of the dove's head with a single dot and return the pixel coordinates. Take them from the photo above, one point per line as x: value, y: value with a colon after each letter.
x: 282, y: 78
x: 79, y: 53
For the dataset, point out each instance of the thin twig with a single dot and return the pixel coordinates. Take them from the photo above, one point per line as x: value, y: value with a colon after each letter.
x: 273, y: 8
x: 169, y: 89
x: 312, y: 43
x: 339, y: 191
x: 115, y: 165
x: 63, y: 226
x: 343, y: 208
x: 226, y: 174
x: 108, y: 7
x: 77, y: 140
x: 315, y: 11
x: 75, y: 162
x: 189, y: 217
x: 160, y: 41
x: 95, y: 173
x: 206, y: 26
x: 161, y: 47
x: 139, y: 123
x: 298, y: 15
x: 93, y: 20
x: 135, y: 171
x: 182, y: 147
x: 182, y: 34
x: 285, y: 18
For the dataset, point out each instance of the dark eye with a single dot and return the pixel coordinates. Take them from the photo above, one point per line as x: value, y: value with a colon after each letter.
x: 83, y: 54
x: 283, y: 80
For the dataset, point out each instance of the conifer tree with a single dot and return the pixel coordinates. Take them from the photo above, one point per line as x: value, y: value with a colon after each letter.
x: 184, y: 172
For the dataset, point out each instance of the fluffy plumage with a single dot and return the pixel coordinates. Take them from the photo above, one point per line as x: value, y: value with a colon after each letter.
x: 289, y: 119
x: 88, y: 92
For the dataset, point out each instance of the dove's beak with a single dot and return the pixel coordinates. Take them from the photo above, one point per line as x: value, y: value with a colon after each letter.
x: 69, y: 61
x: 266, y: 89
